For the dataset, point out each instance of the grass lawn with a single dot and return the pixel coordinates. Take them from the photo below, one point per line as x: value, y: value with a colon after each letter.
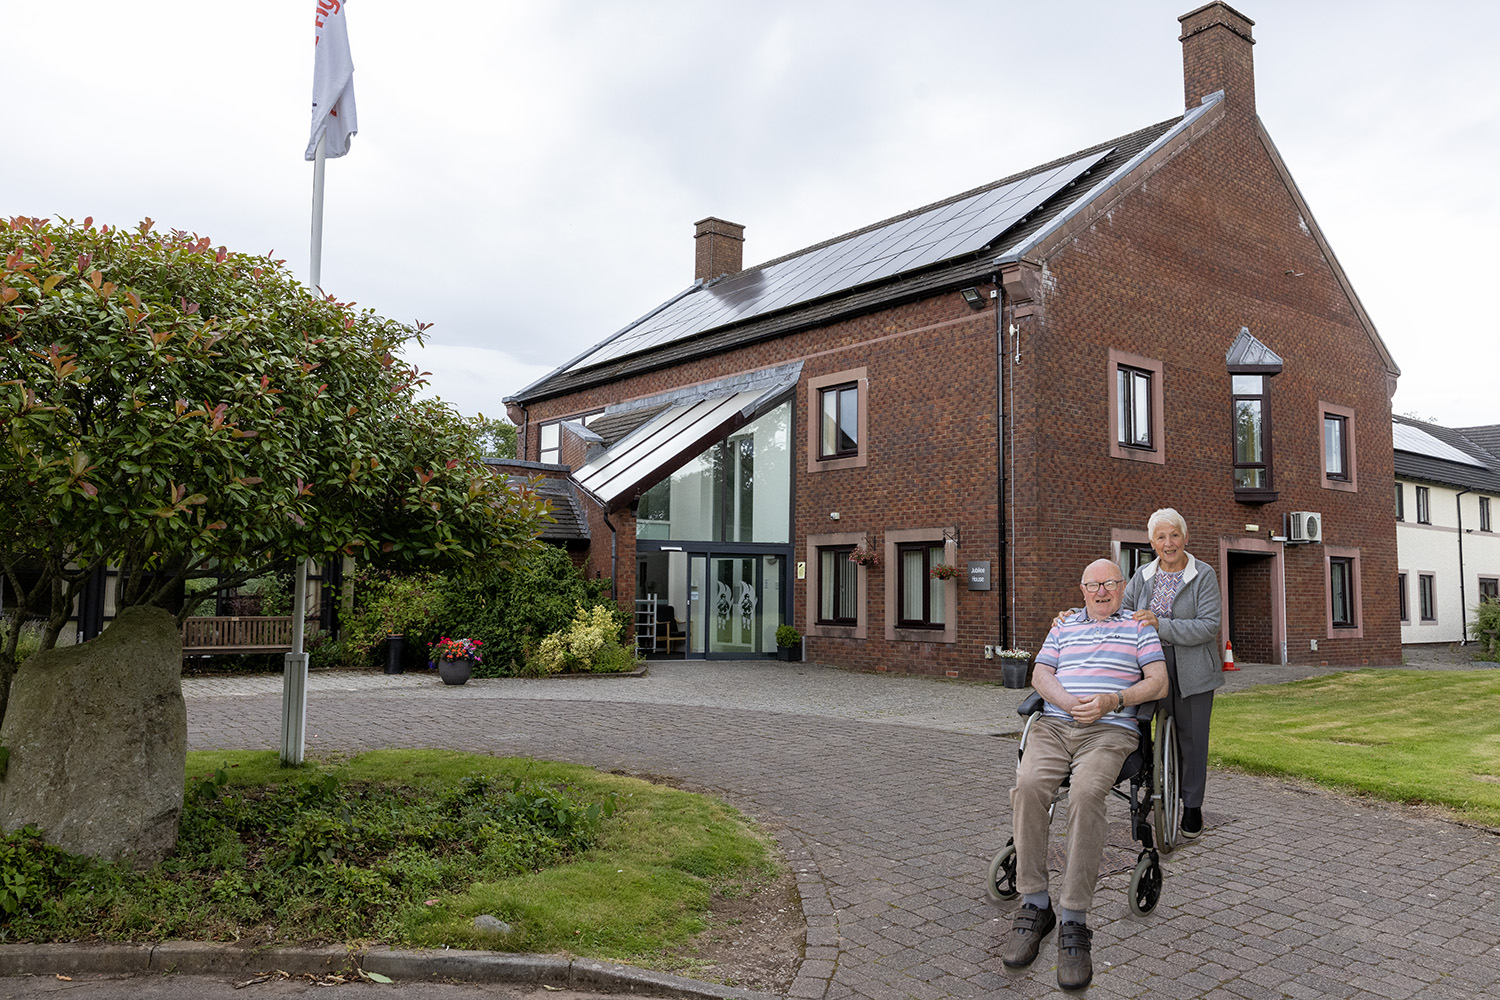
x: 1414, y: 736
x: 406, y: 848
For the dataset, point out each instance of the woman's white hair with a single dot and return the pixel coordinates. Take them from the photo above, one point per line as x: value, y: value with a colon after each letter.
x: 1165, y: 516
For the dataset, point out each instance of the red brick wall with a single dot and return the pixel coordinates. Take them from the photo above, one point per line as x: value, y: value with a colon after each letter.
x: 1173, y: 272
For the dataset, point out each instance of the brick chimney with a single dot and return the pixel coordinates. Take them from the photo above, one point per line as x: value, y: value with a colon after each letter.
x: 718, y: 248
x: 1216, y: 56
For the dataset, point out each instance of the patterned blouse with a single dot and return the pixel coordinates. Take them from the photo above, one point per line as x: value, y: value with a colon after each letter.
x: 1164, y: 591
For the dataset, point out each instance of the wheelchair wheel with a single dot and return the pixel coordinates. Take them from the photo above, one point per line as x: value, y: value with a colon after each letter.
x: 1166, y: 790
x: 1145, y: 884
x: 1001, y: 884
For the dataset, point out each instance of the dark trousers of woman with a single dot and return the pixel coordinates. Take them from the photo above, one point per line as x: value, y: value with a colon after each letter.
x: 1191, y: 717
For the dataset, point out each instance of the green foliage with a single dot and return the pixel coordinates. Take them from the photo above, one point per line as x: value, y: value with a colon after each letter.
x: 496, y: 437
x: 388, y: 603
x: 327, y: 653
x: 30, y: 641
x: 786, y: 635
x: 1402, y: 735
x: 274, y: 591
x: 355, y: 851
x: 1487, y: 630
x: 512, y: 610
x: 171, y: 408
x: 590, y: 643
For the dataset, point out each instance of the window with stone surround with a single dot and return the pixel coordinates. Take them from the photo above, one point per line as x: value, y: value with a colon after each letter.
x: 1340, y: 458
x: 838, y: 407
x: 1137, y: 410
x: 1342, y: 580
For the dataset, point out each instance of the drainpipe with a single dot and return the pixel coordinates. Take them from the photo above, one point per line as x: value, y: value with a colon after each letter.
x: 1002, y: 414
x: 614, y: 558
x: 1463, y: 603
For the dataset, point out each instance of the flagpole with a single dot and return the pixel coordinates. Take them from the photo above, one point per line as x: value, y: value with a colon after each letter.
x: 294, y: 673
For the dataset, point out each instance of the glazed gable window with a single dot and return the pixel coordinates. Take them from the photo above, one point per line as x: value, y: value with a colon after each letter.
x: 1251, y: 408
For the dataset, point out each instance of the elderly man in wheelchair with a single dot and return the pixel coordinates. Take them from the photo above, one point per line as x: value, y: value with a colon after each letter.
x: 1094, y: 669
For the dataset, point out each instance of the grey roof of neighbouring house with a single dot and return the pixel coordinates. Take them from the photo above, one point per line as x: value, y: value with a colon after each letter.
x: 942, y: 245
x: 1443, y: 455
x: 569, y: 525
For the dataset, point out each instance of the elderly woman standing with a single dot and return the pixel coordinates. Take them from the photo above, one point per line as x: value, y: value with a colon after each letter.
x: 1179, y: 596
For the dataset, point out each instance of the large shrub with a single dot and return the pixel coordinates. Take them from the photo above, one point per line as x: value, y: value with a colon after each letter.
x: 513, y: 610
x: 1487, y: 629
x: 590, y: 643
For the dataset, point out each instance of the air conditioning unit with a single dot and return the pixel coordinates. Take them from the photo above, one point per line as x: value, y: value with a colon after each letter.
x: 1306, y: 526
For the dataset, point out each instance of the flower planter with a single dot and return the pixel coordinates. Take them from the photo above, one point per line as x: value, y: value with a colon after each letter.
x: 789, y: 654
x: 455, y: 671
x: 1015, y: 673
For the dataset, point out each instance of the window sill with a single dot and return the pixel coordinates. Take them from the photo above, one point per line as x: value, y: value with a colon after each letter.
x: 1343, y: 485
x: 1256, y: 496
x: 919, y: 633
x: 1130, y: 454
x: 834, y: 631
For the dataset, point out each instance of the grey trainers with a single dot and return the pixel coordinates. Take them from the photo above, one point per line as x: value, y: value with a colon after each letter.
x: 1075, y: 962
x: 1026, y: 932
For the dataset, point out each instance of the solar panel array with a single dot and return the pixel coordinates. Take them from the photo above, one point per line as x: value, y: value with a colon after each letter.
x: 938, y: 234
x: 1418, y: 442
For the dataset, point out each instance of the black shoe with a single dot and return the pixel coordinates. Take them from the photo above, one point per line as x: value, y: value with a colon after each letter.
x: 1026, y: 932
x: 1192, y: 823
x: 1075, y: 962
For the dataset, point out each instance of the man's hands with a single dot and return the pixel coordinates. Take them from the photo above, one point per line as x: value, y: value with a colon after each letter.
x: 1093, y: 708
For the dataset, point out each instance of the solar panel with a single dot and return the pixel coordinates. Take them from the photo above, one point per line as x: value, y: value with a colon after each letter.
x: 938, y: 234
x: 1405, y: 437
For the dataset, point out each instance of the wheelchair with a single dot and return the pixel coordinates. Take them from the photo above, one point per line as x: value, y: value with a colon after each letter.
x: 1151, y: 776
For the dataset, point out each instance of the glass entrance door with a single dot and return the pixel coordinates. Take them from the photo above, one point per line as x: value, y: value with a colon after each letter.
x: 734, y: 604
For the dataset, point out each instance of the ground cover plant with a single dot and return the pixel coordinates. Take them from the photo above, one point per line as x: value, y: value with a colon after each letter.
x: 1420, y: 737
x: 406, y: 848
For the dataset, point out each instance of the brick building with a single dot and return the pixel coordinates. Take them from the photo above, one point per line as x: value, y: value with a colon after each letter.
x: 1007, y: 382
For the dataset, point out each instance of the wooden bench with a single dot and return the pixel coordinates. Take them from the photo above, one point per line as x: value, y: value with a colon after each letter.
x: 239, y: 634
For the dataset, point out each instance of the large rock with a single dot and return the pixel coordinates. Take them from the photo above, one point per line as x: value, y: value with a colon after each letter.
x: 98, y: 742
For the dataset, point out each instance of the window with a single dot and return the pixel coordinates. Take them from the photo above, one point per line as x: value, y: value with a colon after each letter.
x: 921, y: 600
x: 838, y: 421
x: 1341, y: 592
x: 1136, y: 409
x: 1400, y: 502
x: 1133, y: 556
x: 1401, y: 600
x: 1252, y: 438
x: 1340, y: 461
x: 838, y: 586
x: 1427, y: 596
x: 549, y: 447
x: 1424, y: 505
x: 1484, y: 514
x: 1341, y: 568
x: 1489, y: 589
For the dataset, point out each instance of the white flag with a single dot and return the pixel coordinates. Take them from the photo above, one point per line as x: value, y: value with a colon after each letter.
x: 333, y: 82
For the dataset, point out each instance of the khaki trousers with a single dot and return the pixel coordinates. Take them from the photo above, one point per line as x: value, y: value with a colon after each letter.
x: 1093, y: 754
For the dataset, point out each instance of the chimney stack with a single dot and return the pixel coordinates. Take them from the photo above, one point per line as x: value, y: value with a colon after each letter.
x: 1216, y: 56
x: 718, y: 248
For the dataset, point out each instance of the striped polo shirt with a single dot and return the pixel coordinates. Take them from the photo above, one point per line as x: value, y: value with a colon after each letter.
x: 1093, y: 656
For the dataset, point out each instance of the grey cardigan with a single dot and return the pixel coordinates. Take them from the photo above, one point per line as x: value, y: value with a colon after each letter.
x: 1193, y: 628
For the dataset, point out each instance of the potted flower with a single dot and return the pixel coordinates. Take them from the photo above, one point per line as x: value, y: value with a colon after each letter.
x: 864, y: 555
x: 788, y: 643
x: 1015, y: 667
x: 943, y: 571
x: 455, y: 658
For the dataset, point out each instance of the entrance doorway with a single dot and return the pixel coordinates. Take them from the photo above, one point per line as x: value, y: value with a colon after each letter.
x: 727, y: 604
x: 1254, y: 600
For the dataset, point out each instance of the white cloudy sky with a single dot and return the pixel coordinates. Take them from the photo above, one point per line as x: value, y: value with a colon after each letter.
x: 527, y: 173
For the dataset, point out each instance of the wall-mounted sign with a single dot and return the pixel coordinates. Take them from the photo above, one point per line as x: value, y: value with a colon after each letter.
x: 979, y: 575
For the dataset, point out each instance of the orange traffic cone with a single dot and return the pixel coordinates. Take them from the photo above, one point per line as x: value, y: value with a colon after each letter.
x: 1229, y: 656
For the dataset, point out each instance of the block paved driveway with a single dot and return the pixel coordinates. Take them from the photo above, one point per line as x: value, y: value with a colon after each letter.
x: 889, y: 795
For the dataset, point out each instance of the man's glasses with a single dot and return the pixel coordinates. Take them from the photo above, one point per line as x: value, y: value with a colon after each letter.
x: 1093, y: 588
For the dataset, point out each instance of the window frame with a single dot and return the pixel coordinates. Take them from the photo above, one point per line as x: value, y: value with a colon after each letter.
x: 897, y: 630
x: 844, y: 391
x: 1348, y: 480
x: 846, y: 573
x: 1424, y: 505
x: 542, y: 448
x: 1349, y: 559
x: 898, y: 565
x: 1485, y: 524
x: 1265, y: 493
x: 859, y: 379
x: 1155, y: 451
x: 1494, y: 589
x: 1400, y: 501
x: 1403, y: 598
x: 812, y: 594
x: 1427, y: 598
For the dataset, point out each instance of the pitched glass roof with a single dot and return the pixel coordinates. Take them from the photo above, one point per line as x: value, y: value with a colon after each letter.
x: 930, y: 236
x: 1405, y: 437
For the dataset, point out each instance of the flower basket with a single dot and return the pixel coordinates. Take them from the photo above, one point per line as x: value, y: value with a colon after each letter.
x: 455, y: 658
x: 1015, y: 667
x: 943, y: 571
x: 864, y: 556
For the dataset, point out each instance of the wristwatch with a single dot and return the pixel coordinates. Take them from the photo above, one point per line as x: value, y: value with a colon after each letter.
x: 1120, y: 697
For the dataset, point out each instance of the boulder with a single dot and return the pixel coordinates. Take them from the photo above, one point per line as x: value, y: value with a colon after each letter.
x: 98, y: 742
